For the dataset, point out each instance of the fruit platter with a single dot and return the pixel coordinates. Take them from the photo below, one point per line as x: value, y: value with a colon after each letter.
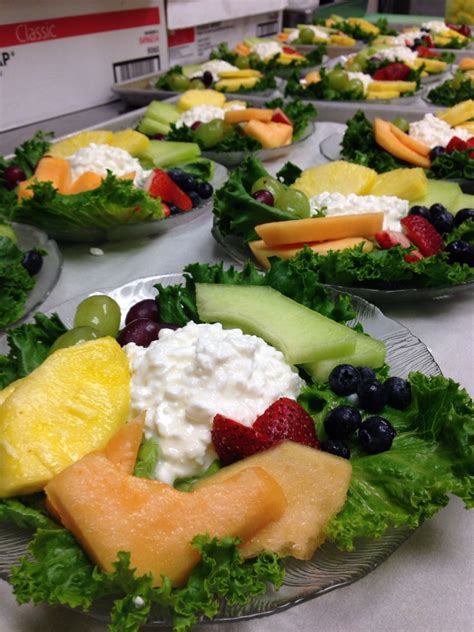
x: 268, y: 55
x: 147, y: 525
x: 375, y: 235
x: 431, y: 34
x: 104, y: 185
x: 457, y: 89
x: 306, y: 35
x: 440, y: 143
x: 357, y: 28
x: 227, y: 130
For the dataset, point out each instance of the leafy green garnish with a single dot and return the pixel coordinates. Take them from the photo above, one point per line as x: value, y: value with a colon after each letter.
x: 312, y: 58
x: 289, y: 173
x: 147, y: 458
x: 27, y: 155
x: 320, y: 89
x: 200, y: 168
x: 452, y: 91
x: 58, y: 572
x: 186, y: 483
x: 115, y: 202
x: 15, y: 282
x: 29, y: 345
x: 457, y: 164
x: 431, y: 457
x: 27, y: 512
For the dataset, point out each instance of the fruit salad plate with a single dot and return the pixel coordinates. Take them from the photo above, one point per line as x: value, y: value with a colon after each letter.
x: 330, y: 568
x: 30, y: 238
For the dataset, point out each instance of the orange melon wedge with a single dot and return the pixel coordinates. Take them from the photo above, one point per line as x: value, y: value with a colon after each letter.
x: 242, y: 116
x: 385, y: 137
x: 123, y: 448
x: 409, y: 141
x: 85, y: 182
x: 54, y: 170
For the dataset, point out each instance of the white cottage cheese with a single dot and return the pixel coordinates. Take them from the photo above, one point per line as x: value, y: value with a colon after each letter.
x: 434, y: 132
x: 397, y: 53
x: 394, y: 208
x: 214, y: 66
x: 408, y: 38
x: 189, y: 375
x: 435, y: 26
x: 204, y: 114
x: 362, y: 77
x: 266, y: 49
x: 102, y: 158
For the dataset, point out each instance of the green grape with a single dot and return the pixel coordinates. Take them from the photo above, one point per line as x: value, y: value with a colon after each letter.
x: 196, y: 84
x: 178, y: 83
x: 355, y: 87
x: 401, y: 123
x: 356, y: 66
x: 242, y: 62
x: 74, y: 337
x: 267, y: 183
x: 100, y: 312
x: 254, y: 59
x: 337, y: 80
x: 306, y: 36
x: 295, y: 202
x: 209, y: 134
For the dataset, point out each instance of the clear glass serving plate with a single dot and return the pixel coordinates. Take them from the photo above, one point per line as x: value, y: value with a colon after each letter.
x: 141, y: 229
x: 236, y: 248
x: 28, y: 238
x: 330, y: 568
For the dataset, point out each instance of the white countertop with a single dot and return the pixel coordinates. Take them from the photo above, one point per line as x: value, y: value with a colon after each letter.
x: 427, y: 584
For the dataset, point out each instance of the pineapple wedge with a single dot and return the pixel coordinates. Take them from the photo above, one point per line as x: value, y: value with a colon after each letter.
x: 408, y: 184
x: 458, y: 114
x: 339, y: 176
x: 385, y: 95
x: 131, y: 141
x: 387, y: 86
x: 69, y: 146
x: 192, y: 98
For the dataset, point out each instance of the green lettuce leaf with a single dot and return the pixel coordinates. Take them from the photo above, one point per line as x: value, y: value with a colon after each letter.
x: 186, y: 483
x: 147, y: 458
x: 452, y: 91
x: 27, y: 155
x: 321, y: 89
x: 115, y: 202
x: 29, y: 346
x: 432, y: 456
x: 27, y: 512
x: 15, y: 282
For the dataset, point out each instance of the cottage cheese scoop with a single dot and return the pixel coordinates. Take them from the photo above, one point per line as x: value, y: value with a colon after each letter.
x: 434, y: 132
x: 102, y: 158
x: 185, y: 378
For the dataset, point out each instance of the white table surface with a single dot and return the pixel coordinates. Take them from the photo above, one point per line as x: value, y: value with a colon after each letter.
x: 427, y: 584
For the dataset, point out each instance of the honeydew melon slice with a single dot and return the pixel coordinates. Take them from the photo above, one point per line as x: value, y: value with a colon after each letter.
x: 441, y: 192
x: 301, y: 334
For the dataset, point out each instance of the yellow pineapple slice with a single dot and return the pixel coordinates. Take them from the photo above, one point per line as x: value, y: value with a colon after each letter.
x: 192, y: 98
x: 469, y: 126
x: 408, y: 184
x: 399, y: 86
x: 386, y: 95
x: 336, y: 177
x: 459, y: 113
x: 69, y: 146
x: 132, y: 141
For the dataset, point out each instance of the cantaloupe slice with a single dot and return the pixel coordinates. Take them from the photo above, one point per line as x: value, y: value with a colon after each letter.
x: 85, y: 182
x: 315, y: 485
x: 410, y: 142
x: 241, y: 116
x: 122, y: 449
x: 313, y: 77
x: 242, y: 49
x: 271, y: 134
x: 262, y: 252
x: 388, y: 141
x: 300, y: 231
x: 23, y: 190
x: 466, y: 64
x: 110, y: 511
x: 54, y: 170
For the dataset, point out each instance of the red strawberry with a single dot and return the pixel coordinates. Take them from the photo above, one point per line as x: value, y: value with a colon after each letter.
x: 426, y: 53
x: 392, y: 72
x: 413, y: 257
x: 428, y: 41
x: 286, y: 419
x: 280, y: 117
x: 166, y: 209
x: 456, y: 144
x: 291, y: 51
x: 470, y: 143
x: 160, y: 185
x: 233, y: 441
x: 389, y: 238
x: 471, y: 154
x: 423, y: 234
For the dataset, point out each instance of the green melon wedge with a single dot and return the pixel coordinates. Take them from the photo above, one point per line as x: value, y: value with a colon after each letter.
x: 301, y: 334
x: 440, y: 192
x: 465, y: 200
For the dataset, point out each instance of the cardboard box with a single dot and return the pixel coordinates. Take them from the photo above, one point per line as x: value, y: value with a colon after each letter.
x: 195, y: 43
x: 59, y: 57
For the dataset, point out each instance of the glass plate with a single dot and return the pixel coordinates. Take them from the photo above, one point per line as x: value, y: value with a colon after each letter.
x: 29, y: 237
x: 239, y: 251
x: 142, y: 229
x: 329, y: 568
x: 234, y: 158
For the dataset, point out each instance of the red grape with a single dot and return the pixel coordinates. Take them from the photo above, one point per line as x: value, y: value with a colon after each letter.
x: 265, y: 197
x: 143, y: 309
x: 13, y: 175
x: 142, y: 332
x: 196, y: 124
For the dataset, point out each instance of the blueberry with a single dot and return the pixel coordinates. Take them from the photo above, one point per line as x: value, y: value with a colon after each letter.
x: 422, y: 211
x: 207, y: 78
x: 342, y: 421
x: 366, y: 373
x: 174, y: 210
x: 175, y: 175
x: 460, y: 252
x: 338, y: 448
x: 204, y: 190
x: 372, y: 396
x: 398, y: 392
x: 441, y: 218
x: 195, y: 199
x: 32, y: 262
x: 376, y: 434
x: 437, y: 151
x: 344, y: 379
x: 187, y: 182
x: 463, y: 215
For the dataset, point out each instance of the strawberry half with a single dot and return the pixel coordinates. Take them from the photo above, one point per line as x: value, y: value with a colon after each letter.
x: 423, y: 234
x: 392, y: 72
x: 233, y: 441
x: 159, y: 184
x: 285, y: 419
x: 426, y: 53
x: 291, y: 51
x: 387, y: 239
x: 280, y: 117
x: 428, y: 41
x: 456, y: 144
